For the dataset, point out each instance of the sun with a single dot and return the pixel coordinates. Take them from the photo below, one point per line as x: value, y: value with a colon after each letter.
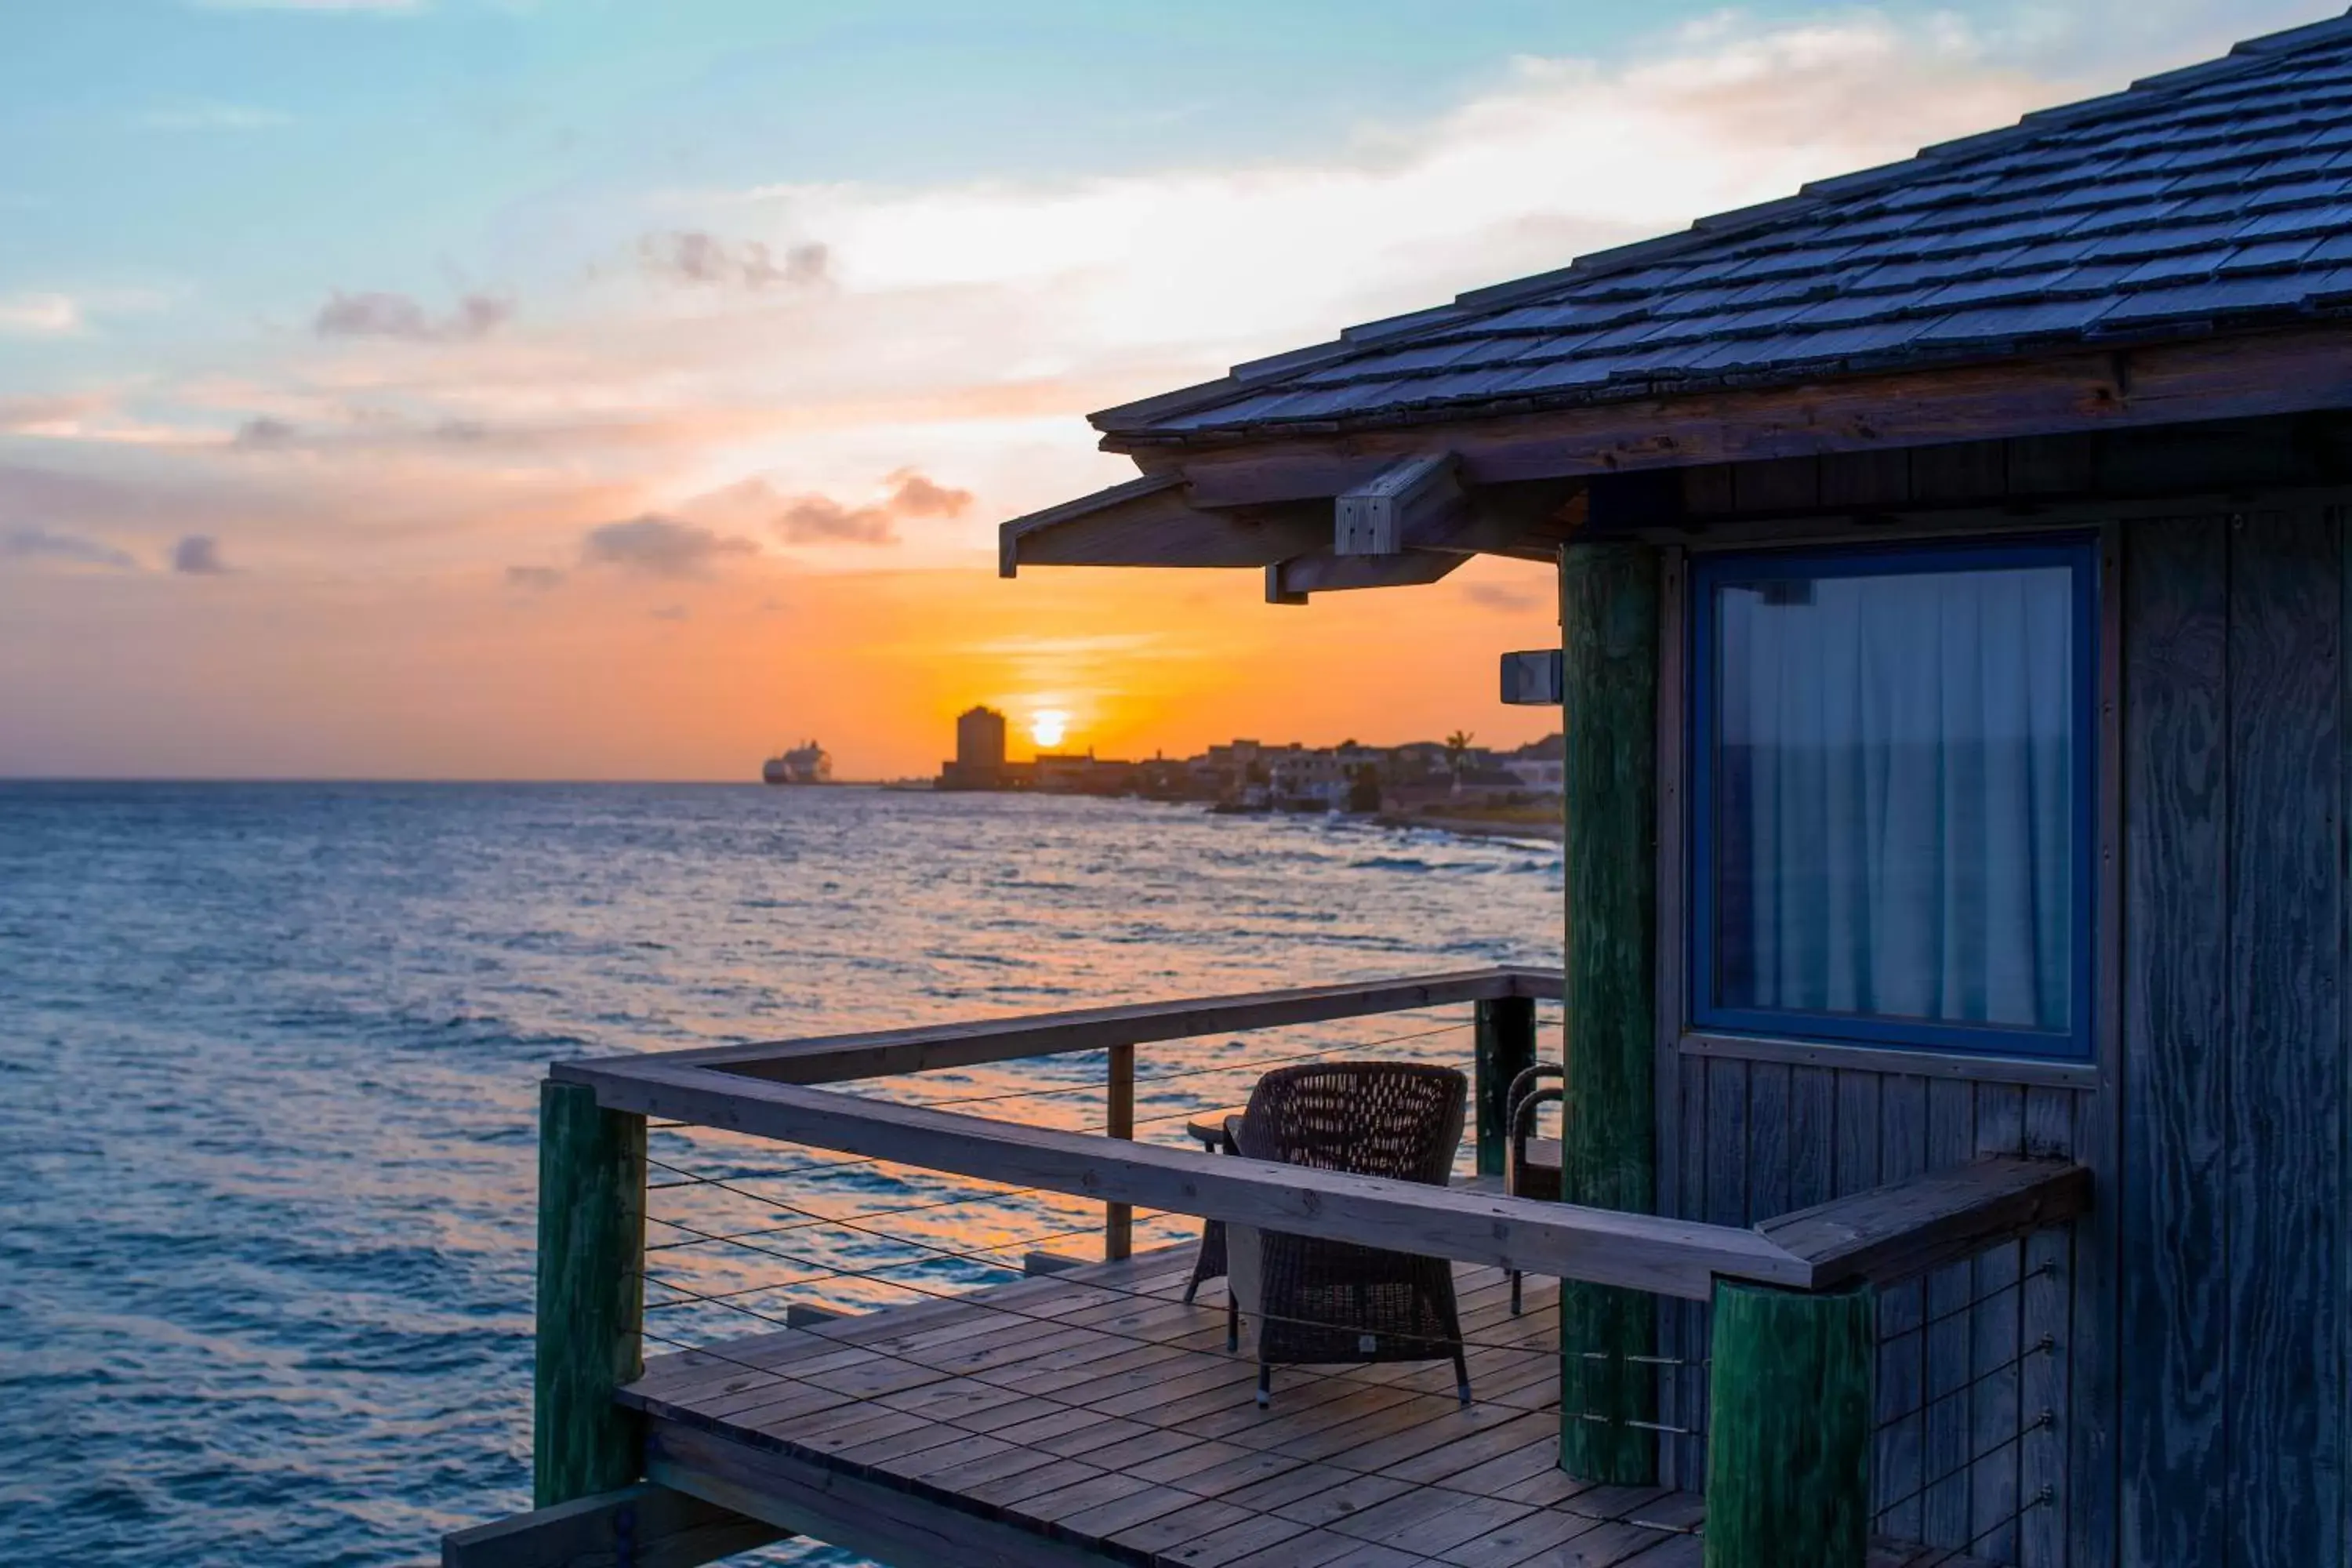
x: 1048, y: 725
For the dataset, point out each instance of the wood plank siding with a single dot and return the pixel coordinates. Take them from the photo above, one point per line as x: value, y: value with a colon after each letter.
x: 2232, y: 1195
x: 2197, y: 1324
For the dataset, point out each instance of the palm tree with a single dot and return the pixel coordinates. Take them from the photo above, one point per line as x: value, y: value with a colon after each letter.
x: 1457, y: 745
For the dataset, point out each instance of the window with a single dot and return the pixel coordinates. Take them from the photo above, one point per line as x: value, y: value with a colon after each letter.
x: 1892, y: 768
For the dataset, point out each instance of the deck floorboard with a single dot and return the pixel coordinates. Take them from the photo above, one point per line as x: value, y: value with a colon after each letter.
x: 1095, y: 1409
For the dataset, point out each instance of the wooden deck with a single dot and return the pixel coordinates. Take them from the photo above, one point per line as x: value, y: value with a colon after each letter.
x: 1090, y: 1415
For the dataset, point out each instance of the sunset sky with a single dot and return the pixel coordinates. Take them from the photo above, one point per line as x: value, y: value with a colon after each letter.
x: 606, y: 389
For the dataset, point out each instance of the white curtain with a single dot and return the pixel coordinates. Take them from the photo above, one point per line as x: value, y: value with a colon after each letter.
x: 1894, y: 835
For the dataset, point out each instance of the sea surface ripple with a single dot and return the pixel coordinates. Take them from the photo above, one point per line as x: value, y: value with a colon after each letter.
x: 268, y: 1069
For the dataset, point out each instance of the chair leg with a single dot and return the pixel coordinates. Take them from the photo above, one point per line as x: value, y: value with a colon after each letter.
x: 1209, y: 1260
x: 1264, y: 1384
x: 1233, y: 1327
x: 1516, y: 1276
x: 1460, y: 1375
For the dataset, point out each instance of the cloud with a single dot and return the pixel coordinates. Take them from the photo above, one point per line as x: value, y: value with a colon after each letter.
x: 1500, y: 596
x: 35, y: 414
x: 672, y: 613
x: 265, y: 432
x: 383, y: 314
x: 816, y: 519
x: 387, y: 7
x: 210, y: 117
x: 653, y: 546
x: 37, y: 543
x: 821, y: 519
x: 536, y: 579
x: 198, y: 555
x: 694, y: 257
x: 40, y: 315
x: 916, y: 496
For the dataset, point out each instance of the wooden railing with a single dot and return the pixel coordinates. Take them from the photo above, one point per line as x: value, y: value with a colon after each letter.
x: 891, y: 1053
x: 1790, y: 1296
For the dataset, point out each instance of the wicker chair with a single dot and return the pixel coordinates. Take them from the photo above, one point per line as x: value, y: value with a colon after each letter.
x: 1322, y: 1301
x: 1525, y: 1174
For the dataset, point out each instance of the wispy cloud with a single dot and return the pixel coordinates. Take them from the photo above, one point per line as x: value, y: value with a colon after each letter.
x: 696, y: 257
x: 1501, y: 597
x: 40, y: 415
x: 210, y: 117
x: 265, y: 432
x: 198, y: 555
x: 383, y: 314
x: 40, y: 543
x: 59, y: 312
x: 813, y: 518
x: 653, y: 546
x: 40, y: 315
x: 536, y: 579
x: 324, y: 6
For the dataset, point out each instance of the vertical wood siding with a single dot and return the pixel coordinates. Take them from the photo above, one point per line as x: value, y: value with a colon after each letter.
x: 2173, y: 1314
x: 2285, y: 1200
x: 2234, y: 1201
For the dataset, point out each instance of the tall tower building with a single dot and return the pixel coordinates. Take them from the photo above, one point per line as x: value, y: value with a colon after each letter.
x: 979, y: 741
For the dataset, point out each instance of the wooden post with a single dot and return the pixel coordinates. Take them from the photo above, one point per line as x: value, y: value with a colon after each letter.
x: 1787, y: 1441
x: 591, y: 1252
x: 1609, y: 689
x: 1118, y: 1219
x: 1506, y: 1048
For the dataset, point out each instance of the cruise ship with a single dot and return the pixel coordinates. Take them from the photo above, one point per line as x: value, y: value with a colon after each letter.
x: 806, y: 764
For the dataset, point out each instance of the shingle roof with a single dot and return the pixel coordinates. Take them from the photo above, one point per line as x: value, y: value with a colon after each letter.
x: 2210, y: 198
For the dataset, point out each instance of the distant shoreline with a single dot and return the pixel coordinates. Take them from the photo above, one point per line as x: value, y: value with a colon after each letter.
x: 1554, y: 832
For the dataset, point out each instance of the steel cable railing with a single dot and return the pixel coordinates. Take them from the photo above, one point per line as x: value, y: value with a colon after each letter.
x: 1966, y: 1425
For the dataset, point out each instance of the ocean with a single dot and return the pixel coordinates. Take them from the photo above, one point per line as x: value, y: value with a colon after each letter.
x: 270, y: 1060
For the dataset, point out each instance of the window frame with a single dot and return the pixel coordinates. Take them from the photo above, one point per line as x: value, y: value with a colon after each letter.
x: 2081, y: 554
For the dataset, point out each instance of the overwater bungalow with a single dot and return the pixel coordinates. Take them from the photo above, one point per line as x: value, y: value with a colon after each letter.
x: 1952, y: 564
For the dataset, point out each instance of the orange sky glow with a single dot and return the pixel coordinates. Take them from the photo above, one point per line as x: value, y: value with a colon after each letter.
x: 350, y: 679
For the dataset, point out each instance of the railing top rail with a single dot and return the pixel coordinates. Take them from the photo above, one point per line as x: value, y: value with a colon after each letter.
x: 1908, y: 1227
x: 889, y: 1053
x: 1643, y: 1252
x: 1877, y: 1236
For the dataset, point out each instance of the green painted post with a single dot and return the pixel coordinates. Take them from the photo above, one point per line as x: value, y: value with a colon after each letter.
x: 1609, y: 667
x: 591, y: 1252
x: 1506, y: 1048
x: 1787, y: 1441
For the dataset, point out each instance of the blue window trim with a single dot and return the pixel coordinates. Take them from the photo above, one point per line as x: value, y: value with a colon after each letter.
x: 1708, y: 573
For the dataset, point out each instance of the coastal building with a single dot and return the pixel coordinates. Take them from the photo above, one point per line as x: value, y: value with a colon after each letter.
x: 1540, y: 765
x: 980, y: 740
x: 1954, y: 574
x: 1073, y: 772
x: 1301, y: 775
x: 979, y: 761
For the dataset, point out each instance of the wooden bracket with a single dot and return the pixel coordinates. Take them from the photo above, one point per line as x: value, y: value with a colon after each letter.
x: 1289, y: 582
x: 1374, y: 518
